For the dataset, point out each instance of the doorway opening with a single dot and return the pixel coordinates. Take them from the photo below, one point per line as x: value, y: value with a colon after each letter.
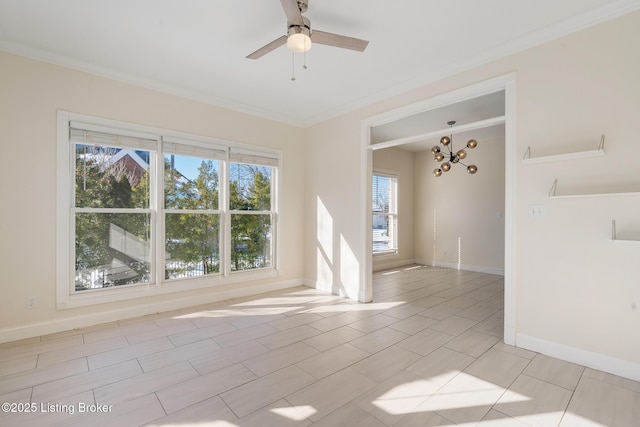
x: 487, y: 110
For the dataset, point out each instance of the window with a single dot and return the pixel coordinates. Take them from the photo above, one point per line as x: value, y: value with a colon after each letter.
x: 385, y: 216
x: 252, y: 213
x: 111, y: 210
x: 192, y: 213
x: 142, y: 209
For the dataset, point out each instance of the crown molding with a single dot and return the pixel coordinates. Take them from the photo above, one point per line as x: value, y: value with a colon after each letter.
x: 610, y: 11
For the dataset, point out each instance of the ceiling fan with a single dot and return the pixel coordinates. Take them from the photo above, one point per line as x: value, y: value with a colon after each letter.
x: 300, y: 36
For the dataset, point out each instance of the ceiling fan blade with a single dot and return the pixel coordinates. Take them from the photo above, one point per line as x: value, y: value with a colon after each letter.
x: 294, y: 17
x: 337, y: 40
x: 268, y: 48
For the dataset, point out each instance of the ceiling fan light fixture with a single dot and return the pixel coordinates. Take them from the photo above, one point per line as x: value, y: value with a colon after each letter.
x: 298, y: 40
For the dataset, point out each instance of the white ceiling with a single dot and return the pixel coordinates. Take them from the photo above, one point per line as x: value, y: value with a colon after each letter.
x: 197, y: 48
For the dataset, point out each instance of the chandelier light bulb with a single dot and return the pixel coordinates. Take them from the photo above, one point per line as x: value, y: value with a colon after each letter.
x: 445, y: 140
x: 435, y: 149
x: 461, y: 154
x: 472, y: 143
x: 439, y: 157
x: 472, y: 169
x: 437, y: 172
x: 446, y: 166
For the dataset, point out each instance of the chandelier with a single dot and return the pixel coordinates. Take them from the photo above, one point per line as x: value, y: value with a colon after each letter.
x: 452, y: 157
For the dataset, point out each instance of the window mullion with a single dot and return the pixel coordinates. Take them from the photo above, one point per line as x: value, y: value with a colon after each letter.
x: 274, y: 234
x: 225, y: 217
x: 72, y: 215
x: 192, y: 211
x: 157, y: 190
x: 72, y: 248
x: 238, y: 212
x: 112, y: 210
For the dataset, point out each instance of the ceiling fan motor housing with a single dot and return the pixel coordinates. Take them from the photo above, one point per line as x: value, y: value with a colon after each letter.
x: 296, y: 29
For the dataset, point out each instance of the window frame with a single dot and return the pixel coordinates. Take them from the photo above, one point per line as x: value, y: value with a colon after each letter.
x: 158, y: 285
x: 135, y: 141
x: 247, y: 158
x: 392, y: 215
x: 173, y: 145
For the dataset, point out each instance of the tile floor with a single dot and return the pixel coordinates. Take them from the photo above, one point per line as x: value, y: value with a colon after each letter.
x: 427, y: 352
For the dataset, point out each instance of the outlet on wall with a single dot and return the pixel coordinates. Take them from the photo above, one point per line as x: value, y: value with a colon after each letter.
x: 536, y: 211
x: 32, y: 302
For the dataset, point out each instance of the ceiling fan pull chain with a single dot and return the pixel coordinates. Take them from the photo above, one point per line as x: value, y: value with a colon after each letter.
x: 293, y: 67
x: 304, y: 55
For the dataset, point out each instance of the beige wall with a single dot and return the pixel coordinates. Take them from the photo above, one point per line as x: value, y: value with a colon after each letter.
x: 575, y: 286
x: 31, y: 93
x: 400, y: 163
x: 577, y: 292
x: 459, y: 218
x: 332, y: 231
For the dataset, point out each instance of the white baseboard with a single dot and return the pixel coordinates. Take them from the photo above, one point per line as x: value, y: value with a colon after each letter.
x: 587, y: 358
x: 70, y: 323
x: 379, y: 266
x: 330, y: 288
x: 382, y: 265
x: 509, y: 335
x: 465, y: 267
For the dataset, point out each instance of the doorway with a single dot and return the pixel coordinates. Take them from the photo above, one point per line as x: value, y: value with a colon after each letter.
x: 419, y: 123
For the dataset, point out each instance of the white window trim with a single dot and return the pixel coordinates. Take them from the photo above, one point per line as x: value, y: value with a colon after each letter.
x: 65, y: 299
x: 396, y: 176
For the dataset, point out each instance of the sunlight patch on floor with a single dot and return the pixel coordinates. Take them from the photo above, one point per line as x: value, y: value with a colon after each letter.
x: 463, y: 391
x: 295, y: 413
x: 404, y: 397
x: 264, y: 311
x: 347, y: 308
x: 466, y: 396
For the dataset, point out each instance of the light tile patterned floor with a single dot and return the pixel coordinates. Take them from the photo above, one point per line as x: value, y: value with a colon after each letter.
x: 427, y: 352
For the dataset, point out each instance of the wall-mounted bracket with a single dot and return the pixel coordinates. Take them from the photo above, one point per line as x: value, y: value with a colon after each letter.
x: 552, y: 191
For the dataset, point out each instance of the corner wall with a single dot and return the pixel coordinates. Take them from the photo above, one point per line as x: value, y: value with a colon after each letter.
x: 577, y: 292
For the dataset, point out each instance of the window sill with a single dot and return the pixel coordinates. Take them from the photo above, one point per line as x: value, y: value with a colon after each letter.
x: 109, y: 295
x: 389, y: 253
